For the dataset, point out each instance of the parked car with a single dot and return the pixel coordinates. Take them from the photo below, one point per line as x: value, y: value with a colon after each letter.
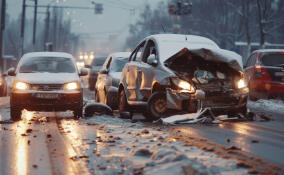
x: 108, y: 79
x: 182, y: 72
x: 264, y: 72
x: 46, y: 81
x: 95, y: 67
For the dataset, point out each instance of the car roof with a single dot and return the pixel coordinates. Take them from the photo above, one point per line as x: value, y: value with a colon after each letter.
x: 48, y: 54
x: 182, y: 38
x: 120, y: 55
x: 268, y: 50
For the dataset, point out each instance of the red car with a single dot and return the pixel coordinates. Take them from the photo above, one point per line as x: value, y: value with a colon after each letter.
x: 264, y: 72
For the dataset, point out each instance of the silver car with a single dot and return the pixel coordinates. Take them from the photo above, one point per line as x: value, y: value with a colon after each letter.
x: 46, y: 81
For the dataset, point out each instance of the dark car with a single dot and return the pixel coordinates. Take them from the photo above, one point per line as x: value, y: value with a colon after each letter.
x: 264, y: 72
x: 108, y: 79
x: 182, y: 72
x: 95, y: 66
x: 46, y: 81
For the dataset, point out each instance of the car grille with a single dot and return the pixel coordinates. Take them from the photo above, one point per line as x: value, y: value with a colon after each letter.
x: 47, y: 87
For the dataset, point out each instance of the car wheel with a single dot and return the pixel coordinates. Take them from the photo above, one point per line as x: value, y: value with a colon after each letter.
x: 78, y: 113
x: 157, y: 106
x: 15, y: 113
x: 111, y: 100
x: 123, y: 105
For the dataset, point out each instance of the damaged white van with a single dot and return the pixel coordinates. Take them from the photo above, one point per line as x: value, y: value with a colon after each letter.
x: 182, y: 72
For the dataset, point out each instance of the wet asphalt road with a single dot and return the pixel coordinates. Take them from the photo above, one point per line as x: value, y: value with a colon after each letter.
x: 44, y: 145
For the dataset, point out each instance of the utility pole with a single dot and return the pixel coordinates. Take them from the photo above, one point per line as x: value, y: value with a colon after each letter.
x: 23, y: 25
x: 2, y: 28
x: 46, y: 37
x: 35, y: 20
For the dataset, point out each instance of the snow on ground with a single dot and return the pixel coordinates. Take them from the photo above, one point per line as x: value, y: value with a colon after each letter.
x: 268, y: 105
x: 125, y: 147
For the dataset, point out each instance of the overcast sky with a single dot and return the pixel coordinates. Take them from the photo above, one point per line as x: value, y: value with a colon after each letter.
x: 116, y: 17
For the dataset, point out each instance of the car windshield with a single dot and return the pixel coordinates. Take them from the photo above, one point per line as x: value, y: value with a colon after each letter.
x: 273, y: 59
x: 98, y: 61
x: 118, y: 64
x: 47, y: 64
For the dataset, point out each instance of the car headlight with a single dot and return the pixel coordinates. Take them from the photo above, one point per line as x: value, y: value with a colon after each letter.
x: 72, y: 86
x: 21, y: 86
x: 241, y: 84
x: 184, y: 85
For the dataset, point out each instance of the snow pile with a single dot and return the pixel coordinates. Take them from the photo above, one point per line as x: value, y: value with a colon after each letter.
x: 144, y: 149
x: 268, y: 105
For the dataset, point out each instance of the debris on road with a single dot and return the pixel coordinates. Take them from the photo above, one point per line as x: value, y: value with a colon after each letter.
x: 97, y: 108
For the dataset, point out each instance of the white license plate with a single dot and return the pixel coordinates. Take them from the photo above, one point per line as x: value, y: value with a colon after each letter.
x: 47, y: 96
x: 279, y: 74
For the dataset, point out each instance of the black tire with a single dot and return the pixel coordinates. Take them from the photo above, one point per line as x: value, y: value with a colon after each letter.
x: 157, y: 106
x: 15, y: 113
x: 78, y: 113
x: 123, y: 105
x: 111, y: 100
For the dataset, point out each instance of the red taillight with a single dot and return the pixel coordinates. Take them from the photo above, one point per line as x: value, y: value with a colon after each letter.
x: 282, y: 53
x: 261, y: 73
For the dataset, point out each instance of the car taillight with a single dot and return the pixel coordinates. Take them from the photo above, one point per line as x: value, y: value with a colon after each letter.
x: 261, y: 73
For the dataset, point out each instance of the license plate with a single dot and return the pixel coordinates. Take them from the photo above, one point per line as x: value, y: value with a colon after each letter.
x: 47, y: 96
x: 279, y: 74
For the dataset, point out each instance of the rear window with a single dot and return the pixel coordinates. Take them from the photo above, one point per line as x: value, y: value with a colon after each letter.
x: 99, y: 61
x: 47, y: 64
x: 273, y: 59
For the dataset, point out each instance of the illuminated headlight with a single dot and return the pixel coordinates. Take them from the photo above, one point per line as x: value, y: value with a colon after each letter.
x: 184, y: 85
x: 72, y: 86
x: 241, y: 84
x: 21, y: 86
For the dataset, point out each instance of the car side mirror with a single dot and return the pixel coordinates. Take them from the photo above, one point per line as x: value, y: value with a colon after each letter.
x: 12, y: 72
x: 152, y: 60
x: 88, y: 66
x: 83, y: 72
x: 104, y: 71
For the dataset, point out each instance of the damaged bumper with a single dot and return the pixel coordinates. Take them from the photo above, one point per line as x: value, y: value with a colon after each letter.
x: 224, y: 101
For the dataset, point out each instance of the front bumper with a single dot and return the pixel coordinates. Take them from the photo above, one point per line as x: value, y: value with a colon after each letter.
x: 65, y: 101
x: 219, y: 102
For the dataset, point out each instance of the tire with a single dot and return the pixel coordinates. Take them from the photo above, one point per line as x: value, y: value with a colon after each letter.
x: 157, y: 106
x: 78, y: 113
x: 111, y: 100
x: 15, y: 113
x: 123, y: 105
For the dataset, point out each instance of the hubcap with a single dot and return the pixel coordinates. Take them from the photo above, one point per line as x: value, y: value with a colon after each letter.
x: 160, y: 106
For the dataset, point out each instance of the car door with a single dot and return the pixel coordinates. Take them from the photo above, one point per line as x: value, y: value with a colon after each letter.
x: 146, y: 71
x: 102, y: 78
x: 132, y: 73
x: 249, y: 68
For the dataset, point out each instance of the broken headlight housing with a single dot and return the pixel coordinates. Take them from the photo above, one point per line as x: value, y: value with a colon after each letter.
x: 241, y: 84
x: 183, y: 85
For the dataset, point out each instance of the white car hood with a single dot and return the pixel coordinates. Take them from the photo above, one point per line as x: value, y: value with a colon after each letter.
x: 47, y: 78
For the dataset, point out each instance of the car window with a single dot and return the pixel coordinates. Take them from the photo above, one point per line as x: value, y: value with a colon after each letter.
x: 137, y: 52
x: 149, y: 50
x: 47, y: 64
x: 99, y: 61
x: 272, y: 59
x: 251, y: 60
x: 118, y: 64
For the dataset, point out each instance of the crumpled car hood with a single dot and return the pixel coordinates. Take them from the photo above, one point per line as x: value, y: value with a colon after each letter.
x: 233, y: 60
